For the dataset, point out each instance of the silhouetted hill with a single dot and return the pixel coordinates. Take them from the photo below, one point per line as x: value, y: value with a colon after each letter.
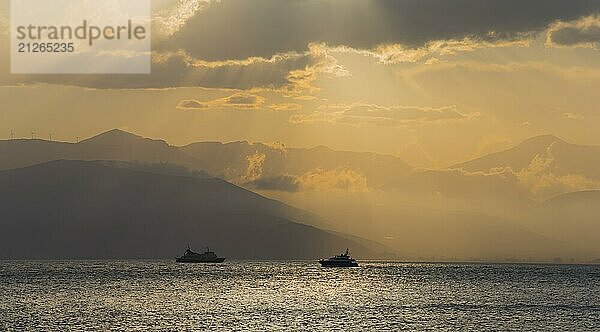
x: 119, y: 137
x: 112, y: 145
x: 120, y: 145
x: 78, y: 209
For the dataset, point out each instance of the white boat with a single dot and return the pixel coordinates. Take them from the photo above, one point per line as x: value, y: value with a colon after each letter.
x: 342, y: 260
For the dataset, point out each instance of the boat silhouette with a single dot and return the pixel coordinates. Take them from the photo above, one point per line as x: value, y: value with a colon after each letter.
x: 193, y: 257
x: 342, y: 260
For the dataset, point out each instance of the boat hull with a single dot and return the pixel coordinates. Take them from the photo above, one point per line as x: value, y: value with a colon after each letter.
x: 191, y: 260
x: 325, y: 263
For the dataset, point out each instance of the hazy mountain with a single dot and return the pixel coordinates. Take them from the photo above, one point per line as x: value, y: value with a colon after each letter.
x: 497, y: 194
x: 427, y: 233
x: 517, y: 158
x: 507, y: 183
x: 573, y: 217
x: 370, y: 195
x: 77, y: 209
x: 111, y: 145
x: 243, y: 161
x: 576, y: 201
x: 261, y: 165
x: 468, y: 235
x: 558, y: 156
x: 416, y: 156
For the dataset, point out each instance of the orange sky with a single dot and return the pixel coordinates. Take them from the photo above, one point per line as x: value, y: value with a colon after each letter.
x: 402, y: 86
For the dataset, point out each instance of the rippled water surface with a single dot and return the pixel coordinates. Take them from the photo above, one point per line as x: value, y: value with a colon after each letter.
x: 161, y: 295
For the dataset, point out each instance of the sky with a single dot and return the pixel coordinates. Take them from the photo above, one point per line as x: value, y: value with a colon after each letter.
x: 433, y: 81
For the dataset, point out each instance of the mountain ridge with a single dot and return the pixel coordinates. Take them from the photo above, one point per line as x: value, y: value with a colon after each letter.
x: 524, y: 151
x: 226, y: 160
x: 546, y: 154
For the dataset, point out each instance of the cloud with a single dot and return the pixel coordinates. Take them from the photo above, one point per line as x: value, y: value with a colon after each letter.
x: 403, y: 113
x: 584, y: 32
x: 244, y: 100
x: 285, y: 107
x: 314, y: 117
x: 287, y: 45
x: 290, y: 73
x: 254, y: 170
x: 338, y: 179
x: 430, y: 52
x: 359, y: 114
x: 322, y: 63
x: 277, y: 146
x: 358, y: 24
x: 178, y: 69
x: 539, y: 177
x: 573, y: 73
x: 169, y: 20
x: 285, y: 183
x: 573, y: 116
x: 192, y: 105
x: 238, y: 101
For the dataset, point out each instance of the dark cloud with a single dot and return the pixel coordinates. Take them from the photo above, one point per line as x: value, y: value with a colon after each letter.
x: 243, y: 99
x: 268, y: 40
x: 192, y: 105
x: 278, y: 183
x: 239, y: 29
x: 239, y: 101
x: 573, y: 36
x: 583, y: 32
x: 179, y: 70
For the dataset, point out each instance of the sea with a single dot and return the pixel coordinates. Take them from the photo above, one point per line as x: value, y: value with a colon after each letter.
x: 139, y: 295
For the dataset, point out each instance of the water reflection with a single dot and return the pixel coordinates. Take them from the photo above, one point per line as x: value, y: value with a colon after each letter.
x: 162, y: 295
